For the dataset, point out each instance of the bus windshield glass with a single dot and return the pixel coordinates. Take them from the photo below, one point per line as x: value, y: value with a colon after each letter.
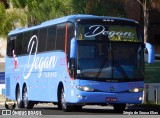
x: 108, y: 32
x: 109, y: 53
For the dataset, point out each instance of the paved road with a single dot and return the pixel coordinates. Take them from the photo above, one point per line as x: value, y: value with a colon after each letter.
x: 45, y: 110
x: 50, y: 109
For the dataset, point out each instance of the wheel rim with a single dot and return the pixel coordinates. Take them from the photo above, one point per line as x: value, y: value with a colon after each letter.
x: 25, y: 97
x: 18, y: 97
x: 63, y: 101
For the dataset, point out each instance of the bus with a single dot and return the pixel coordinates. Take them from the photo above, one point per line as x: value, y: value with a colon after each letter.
x: 74, y: 61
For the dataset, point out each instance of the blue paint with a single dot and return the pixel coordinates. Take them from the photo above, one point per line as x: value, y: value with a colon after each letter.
x: 43, y: 72
x: 2, y: 77
x: 151, y: 53
x: 73, y: 49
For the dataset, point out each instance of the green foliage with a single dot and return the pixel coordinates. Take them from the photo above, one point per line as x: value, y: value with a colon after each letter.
x: 9, y: 19
x: 18, y: 3
x: 152, y: 72
x: 99, y: 7
x: 2, y: 11
x: 33, y: 12
x: 42, y: 10
x: 79, y: 6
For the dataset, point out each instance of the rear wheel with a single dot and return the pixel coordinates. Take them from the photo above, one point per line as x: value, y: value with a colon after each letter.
x: 18, y: 99
x: 27, y: 104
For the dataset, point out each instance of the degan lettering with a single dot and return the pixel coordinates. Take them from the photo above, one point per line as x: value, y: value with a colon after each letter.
x: 36, y: 62
x: 96, y: 30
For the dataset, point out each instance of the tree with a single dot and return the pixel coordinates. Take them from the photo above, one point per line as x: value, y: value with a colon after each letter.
x: 30, y: 12
x: 146, y: 6
x: 41, y: 10
x: 9, y: 19
x: 99, y: 7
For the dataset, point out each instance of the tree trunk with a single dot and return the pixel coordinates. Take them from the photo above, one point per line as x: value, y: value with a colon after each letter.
x: 146, y: 20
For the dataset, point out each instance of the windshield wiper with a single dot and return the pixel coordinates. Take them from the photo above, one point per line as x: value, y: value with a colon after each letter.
x: 104, y: 61
x: 121, y: 70
x: 101, y: 67
x: 118, y: 65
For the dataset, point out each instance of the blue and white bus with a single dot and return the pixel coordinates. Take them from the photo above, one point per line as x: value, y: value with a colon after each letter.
x: 74, y: 61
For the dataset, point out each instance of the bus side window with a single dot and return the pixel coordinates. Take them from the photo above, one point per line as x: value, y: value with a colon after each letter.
x: 26, y: 37
x: 18, y: 49
x: 51, y: 36
x: 61, y: 29
x: 34, y: 33
x: 70, y: 36
x: 71, y: 62
x: 42, y: 40
x: 10, y: 46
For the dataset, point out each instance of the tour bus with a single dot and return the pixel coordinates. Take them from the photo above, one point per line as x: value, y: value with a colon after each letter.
x: 76, y: 60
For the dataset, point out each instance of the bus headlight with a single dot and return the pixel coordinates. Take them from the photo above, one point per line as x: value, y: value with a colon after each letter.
x: 85, y: 88
x: 135, y: 90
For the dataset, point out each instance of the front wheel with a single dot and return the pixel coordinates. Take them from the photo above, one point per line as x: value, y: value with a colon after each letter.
x: 65, y: 106
x: 27, y: 104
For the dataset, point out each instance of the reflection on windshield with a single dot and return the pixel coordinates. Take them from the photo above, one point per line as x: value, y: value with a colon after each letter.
x: 110, y: 60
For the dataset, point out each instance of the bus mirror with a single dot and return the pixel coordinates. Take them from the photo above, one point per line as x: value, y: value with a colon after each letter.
x: 151, y: 54
x: 73, y: 48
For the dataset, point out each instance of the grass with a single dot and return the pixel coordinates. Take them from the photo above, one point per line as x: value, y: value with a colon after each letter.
x: 152, y: 73
x: 149, y: 106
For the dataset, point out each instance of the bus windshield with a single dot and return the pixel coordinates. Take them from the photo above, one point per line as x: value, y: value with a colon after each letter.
x: 109, y: 53
x: 108, y: 32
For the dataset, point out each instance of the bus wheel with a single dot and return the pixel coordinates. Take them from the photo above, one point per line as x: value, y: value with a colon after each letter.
x: 65, y: 107
x: 27, y: 104
x: 119, y: 108
x: 10, y: 105
x: 18, y: 99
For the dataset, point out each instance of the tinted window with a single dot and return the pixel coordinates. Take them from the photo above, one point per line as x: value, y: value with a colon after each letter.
x: 42, y: 40
x: 11, y: 45
x: 19, y: 41
x: 61, y: 29
x: 51, y: 38
x: 26, y: 37
x: 34, y: 37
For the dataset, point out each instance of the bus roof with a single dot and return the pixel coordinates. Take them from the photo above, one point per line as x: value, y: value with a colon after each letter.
x: 72, y: 18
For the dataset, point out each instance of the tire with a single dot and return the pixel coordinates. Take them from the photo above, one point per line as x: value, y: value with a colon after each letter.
x: 10, y: 106
x: 65, y: 106
x: 119, y: 108
x: 27, y: 104
x: 18, y: 99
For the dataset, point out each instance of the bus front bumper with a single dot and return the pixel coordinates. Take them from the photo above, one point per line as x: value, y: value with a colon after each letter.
x: 108, y: 98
